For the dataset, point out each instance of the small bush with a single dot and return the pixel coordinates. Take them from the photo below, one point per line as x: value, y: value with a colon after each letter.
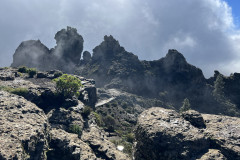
x: 130, y: 137
x: 67, y: 85
x: 17, y: 91
x: 75, y: 129
x: 20, y: 91
x: 57, y: 74
x: 109, y: 123
x: 32, y: 72
x: 98, y: 119
x: 186, y: 105
x: 23, y: 69
x: 86, y: 111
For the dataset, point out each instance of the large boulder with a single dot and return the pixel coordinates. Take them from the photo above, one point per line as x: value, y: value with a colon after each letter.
x: 164, y: 134
x: 23, y: 129
x: 224, y: 132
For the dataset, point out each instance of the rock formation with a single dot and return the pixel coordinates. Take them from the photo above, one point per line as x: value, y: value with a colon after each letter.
x: 165, y: 134
x: 113, y: 67
x: 38, y: 125
x: 65, y: 56
x: 23, y: 127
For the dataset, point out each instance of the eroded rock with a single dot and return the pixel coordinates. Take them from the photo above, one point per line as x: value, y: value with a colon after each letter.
x: 165, y: 134
x: 23, y: 129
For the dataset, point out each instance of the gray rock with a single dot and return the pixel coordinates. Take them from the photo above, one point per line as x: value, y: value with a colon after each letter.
x: 224, y: 132
x: 86, y: 56
x: 213, y: 154
x: 23, y: 129
x: 103, y: 148
x: 194, y: 117
x: 63, y: 118
x: 68, y: 146
x: 164, y: 134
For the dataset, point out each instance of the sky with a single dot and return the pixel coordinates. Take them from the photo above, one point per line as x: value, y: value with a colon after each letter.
x: 206, y: 32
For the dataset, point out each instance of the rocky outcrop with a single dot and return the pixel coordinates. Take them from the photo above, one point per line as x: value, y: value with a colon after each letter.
x: 86, y: 56
x: 224, y: 134
x: 69, y: 45
x: 23, y: 129
x: 28, y: 132
x: 213, y: 154
x: 164, y: 134
x: 195, y: 118
x: 32, y: 53
x: 99, y: 143
x: 66, y: 145
x: 65, y: 56
x: 41, y: 90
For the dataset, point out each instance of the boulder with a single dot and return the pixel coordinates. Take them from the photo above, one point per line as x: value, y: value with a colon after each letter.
x: 23, y: 129
x: 62, y: 119
x: 66, y: 145
x: 224, y: 132
x: 86, y: 56
x: 194, y: 117
x: 104, y: 149
x: 164, y: 134
x: 213, y: 154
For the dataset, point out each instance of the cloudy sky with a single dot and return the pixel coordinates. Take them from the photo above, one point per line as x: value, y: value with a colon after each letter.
x: 206, y: 32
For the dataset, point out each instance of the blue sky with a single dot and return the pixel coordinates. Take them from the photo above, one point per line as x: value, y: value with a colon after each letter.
x: 204, y: 31
x: 235, y: 5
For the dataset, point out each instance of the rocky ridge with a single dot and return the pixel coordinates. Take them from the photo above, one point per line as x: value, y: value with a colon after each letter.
x: 113, y: 67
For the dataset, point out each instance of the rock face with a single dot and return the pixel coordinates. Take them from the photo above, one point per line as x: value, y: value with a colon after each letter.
x: 32, y: 53
x: 23, y: 127
x: 65, y: 56
x: 164, y: 134
x: 69, y: 45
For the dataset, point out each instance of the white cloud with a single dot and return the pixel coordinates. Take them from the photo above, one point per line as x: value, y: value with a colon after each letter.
x: 202, y: 30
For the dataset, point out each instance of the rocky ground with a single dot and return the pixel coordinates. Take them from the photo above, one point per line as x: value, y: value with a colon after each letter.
x: 99, y: 124
x: 33, y: 127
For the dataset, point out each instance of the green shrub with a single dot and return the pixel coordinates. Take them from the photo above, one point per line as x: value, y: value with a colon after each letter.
x: 20, y: 91
x: 32, y: 72
x: 23, y: 69
x: 98, y: 119
x: 67, y: 85
x: 186, y: 105
x: 109, y: 123
x: 130, y: 137
x: 75, y: 129
x: 17, y: 91
x: 86, y: 111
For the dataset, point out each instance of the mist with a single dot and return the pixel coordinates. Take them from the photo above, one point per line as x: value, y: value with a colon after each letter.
x: 203, y: 31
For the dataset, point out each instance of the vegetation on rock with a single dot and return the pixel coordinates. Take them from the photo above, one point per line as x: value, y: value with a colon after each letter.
x: 74, y: 128
x: 67, y: 85
x: 186, y: 105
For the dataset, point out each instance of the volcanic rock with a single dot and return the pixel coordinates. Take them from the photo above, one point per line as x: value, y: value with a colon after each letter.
x: 23, y: 129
